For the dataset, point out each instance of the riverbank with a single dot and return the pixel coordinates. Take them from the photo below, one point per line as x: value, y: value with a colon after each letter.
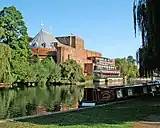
x: 33, y: 84
x: 122, y: 115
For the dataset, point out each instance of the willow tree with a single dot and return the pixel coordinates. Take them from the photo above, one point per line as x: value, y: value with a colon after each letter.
x: 5, y: 69
x: 146, y: 18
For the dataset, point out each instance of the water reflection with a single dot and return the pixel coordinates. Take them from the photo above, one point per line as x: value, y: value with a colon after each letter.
x: 30, y: 101
x: 34, y: 100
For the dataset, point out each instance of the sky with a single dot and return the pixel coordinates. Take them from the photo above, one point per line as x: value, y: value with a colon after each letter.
x: 106, y: 26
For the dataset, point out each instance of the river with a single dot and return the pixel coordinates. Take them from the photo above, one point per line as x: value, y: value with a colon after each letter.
x: 34, y: 100
x: 28, y: 101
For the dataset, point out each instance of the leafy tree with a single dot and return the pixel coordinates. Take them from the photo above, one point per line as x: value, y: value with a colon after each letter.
x: 53, y: 69
x: 131, y: 59
x: 127, y: 67
x: 5, y: 58
x: 71, y: 71
x: 122, y: 64
x: 146, y: 18
x: 22, y: 70
x: 47, y: 71
x: 13, y: 32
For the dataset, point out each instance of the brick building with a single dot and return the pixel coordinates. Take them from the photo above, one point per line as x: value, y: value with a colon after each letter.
x: 63, y: 48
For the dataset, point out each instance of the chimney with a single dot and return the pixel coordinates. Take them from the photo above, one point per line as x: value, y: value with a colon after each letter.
x: 70, y: 40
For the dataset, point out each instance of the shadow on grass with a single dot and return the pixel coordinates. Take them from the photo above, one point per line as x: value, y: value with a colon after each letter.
x: 111, y: 114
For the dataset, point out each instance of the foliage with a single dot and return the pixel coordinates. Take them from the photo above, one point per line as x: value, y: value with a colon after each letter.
x: 146, y: 18
x: 47, y: 71
x: 13, y: 31
x: 22, y: 70
x: 5, y: 58
x: 71, y: 71
x: 127, y: 67
x: 89, y: 77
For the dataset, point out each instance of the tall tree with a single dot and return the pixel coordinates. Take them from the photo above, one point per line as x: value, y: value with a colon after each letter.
x: 146, y: 18
x: 13, y: 31
x: 127, y: 67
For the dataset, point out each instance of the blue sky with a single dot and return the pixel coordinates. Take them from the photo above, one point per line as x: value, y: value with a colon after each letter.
x: 105, y: 25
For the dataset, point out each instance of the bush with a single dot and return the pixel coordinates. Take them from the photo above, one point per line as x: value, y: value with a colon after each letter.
x: 72, y: 71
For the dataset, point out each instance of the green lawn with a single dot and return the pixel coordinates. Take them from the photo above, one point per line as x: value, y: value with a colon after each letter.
x: 122, y: 115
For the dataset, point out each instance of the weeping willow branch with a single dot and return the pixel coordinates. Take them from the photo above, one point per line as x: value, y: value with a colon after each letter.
x: 146, y: 19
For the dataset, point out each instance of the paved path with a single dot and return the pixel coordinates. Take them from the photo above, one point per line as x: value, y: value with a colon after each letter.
x: 147, y: 125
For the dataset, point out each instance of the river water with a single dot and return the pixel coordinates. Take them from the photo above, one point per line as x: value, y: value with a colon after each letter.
x: 34, y: 100
x: 20, y: 102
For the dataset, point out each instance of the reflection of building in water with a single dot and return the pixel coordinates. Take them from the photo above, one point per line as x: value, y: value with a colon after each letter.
x: 66, y: 107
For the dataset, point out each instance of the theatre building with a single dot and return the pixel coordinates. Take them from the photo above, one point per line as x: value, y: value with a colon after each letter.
x: 71, y: 47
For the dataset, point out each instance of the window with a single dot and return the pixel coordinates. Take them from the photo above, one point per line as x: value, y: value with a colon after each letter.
x: 69, y: 56
x: 43, y: 44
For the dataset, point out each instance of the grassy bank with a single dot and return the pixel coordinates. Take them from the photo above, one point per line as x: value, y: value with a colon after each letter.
x: 122, y: 115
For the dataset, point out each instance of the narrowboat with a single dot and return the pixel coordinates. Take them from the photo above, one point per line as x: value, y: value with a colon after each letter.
x: 95, y: 96
x: 101, y: 95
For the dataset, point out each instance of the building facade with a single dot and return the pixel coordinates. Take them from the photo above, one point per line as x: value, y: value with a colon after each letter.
x: 72, y: 47
x: 104, y: 67
x: 61, y: 48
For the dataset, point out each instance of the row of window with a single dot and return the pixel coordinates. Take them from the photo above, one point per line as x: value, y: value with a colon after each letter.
x: 97, y: 75
x: 104, y: 63
x: 104, y: 59
x: 108, y: 68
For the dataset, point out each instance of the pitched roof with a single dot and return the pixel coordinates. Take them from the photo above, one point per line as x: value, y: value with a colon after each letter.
x: 43, y: 39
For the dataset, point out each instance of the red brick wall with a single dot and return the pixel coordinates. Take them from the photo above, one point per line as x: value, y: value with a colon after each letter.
x: 79, y: 55
x: 79, y: 43
x: 76, y: 52
x: 93, y: 54
x: 88, y: 68
x: 66, y: 40
x: 43, y: 51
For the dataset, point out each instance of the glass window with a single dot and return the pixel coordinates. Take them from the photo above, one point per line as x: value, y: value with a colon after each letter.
x: 68, y: 56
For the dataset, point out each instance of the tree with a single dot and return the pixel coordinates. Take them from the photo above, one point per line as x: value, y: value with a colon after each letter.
x: 13, y: 33
x: 53, y: 69
x: 22, y: 71
x: 46, y: 71
x: 146, y: 18
x: 131, y: 59
x: 71, y: 71
x: 5, y: 68
x: 127, y: 67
